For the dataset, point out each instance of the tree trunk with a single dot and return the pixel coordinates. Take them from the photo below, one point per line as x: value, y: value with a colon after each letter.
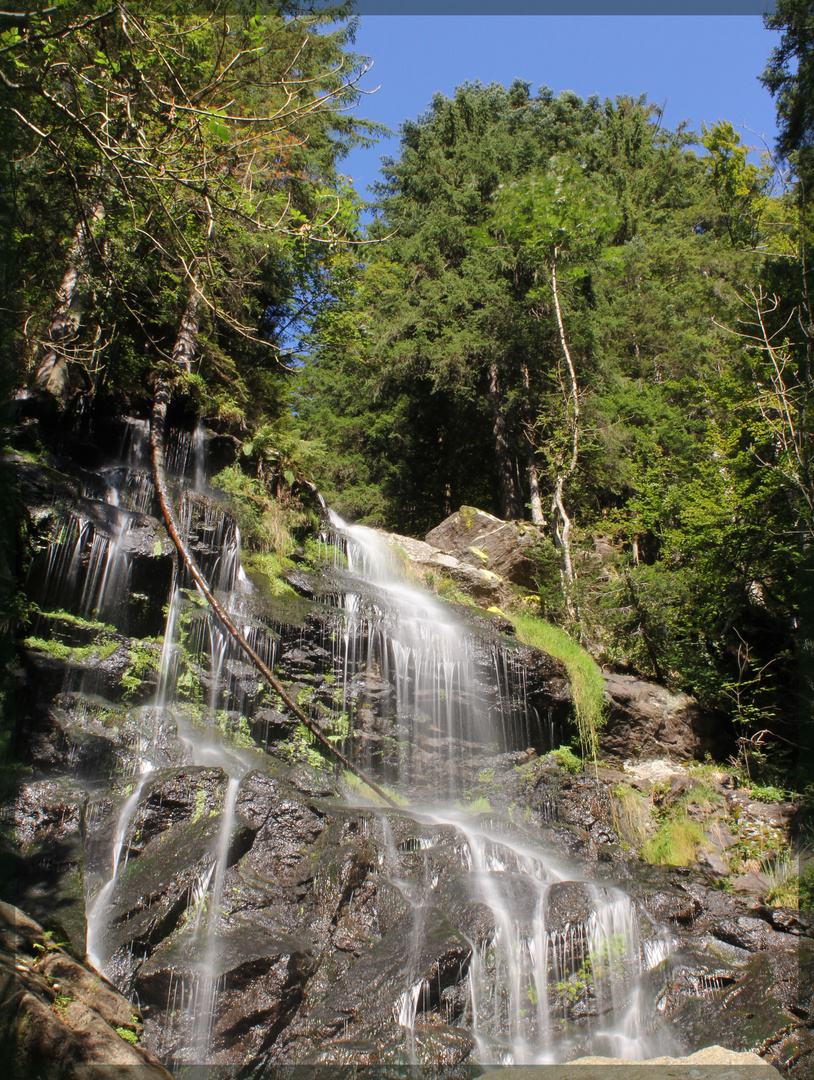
x: 510, y: 507
x: 536, y: 502
x: 52, y: 370
x: 563, y: 531
x: 186, y: 343
x: 185, y: 348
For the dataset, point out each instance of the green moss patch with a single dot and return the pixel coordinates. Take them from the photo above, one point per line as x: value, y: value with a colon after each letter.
x: 80, y: 654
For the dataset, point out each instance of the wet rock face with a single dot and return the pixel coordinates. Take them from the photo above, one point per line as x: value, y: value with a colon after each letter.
x: 746, y: 1002
x: 42, y: 842
x: 363, y: 1004
x: 91, y: 555
x: 584, y: 803
x: 645, y: 720
x: 739, y: 975
x: 332, y: 933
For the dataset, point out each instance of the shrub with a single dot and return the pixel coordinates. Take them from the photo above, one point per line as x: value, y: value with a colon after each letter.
x: 767, y: 794
x: 567, y: 759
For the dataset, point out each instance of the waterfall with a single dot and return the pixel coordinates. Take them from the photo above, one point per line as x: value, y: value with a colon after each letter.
x: 539, y: 960
x: 216, y: 531
x: 452, y: 694
x: 527, y: 970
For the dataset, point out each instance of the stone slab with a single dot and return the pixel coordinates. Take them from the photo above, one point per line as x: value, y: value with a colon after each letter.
x: 711, y: 1063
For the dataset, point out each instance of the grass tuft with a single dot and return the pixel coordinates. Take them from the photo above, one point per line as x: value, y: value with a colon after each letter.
x: 675, y: 844
x: 359, y: 787
x: 479, y: 805
x: 791, y: 879
x: 587, y: 684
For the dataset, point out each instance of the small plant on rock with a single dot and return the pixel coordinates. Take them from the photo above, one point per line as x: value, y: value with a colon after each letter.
x: 567, y: 760
x: 675, y: 844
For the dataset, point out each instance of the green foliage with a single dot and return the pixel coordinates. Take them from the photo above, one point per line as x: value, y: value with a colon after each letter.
x: 452, y: 593
x: 478, y: 805
x: 262, y: 521
x: 679, y: 836
x: 317, y: 552
x: 675, y: 844
x: 791, y: 879
x: 445, y: 336
x: 79, y: 654
x: 128, y: 1035
x: 630, y: 819
x: 358, y: 786
x: 69, y: 619
x: 555, y: 211
x: 767, y: 793
x: 143, y: 658
x: 789, y: 75
x: 567, y: 760
x: 200, y: 802
x: 805, y: 886
x: 49, y: 942
x: 741, y: 188
x: 587, y: 684
x: 247, y: 179
x: 300, y: 746
x: 606, y: 958
x: 438, y: 328
x: 236, y: 728
x: 269, y: 566
x: 703, y: 796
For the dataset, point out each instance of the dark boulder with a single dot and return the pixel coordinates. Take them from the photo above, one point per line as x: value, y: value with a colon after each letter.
x: 644, y: 720
x: 372, y: 992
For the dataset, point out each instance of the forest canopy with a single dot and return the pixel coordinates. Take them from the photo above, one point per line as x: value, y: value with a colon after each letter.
x: 562, y: 311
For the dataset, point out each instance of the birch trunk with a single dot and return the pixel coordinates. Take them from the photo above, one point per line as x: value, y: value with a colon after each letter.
x: 52, y: 370
x: 186, y: 344
x: 535, y: 500
x: 563, y: 530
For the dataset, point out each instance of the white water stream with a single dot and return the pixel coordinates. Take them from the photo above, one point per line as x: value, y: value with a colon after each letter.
x: 523, y: 976
x: 106, y: 567
x: 450, y: 700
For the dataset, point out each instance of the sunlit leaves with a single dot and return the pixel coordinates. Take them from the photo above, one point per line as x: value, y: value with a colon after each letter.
x: 560, y: 210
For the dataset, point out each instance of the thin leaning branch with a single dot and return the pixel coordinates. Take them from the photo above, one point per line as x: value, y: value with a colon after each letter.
x: 161, y: 402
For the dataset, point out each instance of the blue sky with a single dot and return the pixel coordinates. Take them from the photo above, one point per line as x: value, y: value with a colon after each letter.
x: 701, y: 68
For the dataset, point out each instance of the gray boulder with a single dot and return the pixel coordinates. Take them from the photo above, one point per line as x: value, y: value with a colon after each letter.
x: 488, y: 543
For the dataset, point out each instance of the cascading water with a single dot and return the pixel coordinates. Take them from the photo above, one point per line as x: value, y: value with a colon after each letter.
x: 450, y: 711
x: 217, y: 532
x: 423, y: 702
x: 451, y: 694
